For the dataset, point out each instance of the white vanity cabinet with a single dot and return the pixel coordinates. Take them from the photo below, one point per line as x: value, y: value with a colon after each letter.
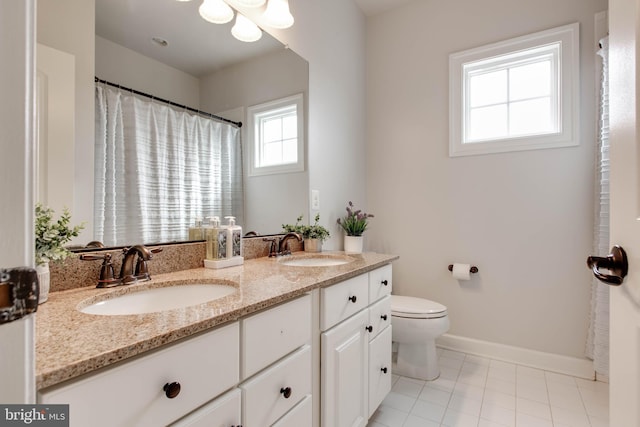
x: 157, y: 388
x: 355, y: 322
x: 253, y: 372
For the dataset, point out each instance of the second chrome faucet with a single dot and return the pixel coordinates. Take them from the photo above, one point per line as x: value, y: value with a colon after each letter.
x: 282, y: 245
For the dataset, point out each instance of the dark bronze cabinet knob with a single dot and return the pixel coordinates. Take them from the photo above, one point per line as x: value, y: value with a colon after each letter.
x: 369, y: 328
x: 385, y: 282
x: 171, y: 390
x: 352, y: 299
x: 384, y: 370
x: 383, y: 317
x: 286, y: 392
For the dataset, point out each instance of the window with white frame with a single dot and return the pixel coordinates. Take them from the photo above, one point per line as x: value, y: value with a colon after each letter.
x: 520, y: 94
x: 275, y: 134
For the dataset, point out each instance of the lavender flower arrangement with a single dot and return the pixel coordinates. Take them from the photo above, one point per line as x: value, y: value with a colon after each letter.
x: 355, y: 222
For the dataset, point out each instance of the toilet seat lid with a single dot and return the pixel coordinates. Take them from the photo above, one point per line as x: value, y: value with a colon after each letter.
x: 416, y: 307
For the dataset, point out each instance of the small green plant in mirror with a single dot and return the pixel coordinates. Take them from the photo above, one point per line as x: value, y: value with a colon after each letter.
x: 51, y: 236
x: 315, y: 231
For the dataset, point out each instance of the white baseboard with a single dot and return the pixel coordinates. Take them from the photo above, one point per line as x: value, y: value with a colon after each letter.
x: 574, y: 366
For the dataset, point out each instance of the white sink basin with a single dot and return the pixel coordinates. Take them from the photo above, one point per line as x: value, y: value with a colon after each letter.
x: 315, y: 260
x: 159, y: 299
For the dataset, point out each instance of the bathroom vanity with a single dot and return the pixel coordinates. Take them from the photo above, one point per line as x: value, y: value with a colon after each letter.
x: 251, y: 358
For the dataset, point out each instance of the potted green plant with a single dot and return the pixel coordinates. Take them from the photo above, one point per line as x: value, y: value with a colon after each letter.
x: 51, y: 236
x: 313, y: 235
x: 354, y: 225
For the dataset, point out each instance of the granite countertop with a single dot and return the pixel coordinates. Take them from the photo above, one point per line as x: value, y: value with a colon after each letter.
x: 70, y: 343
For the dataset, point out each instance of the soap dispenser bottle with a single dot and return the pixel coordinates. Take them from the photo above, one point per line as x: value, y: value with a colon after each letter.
x: 234, y: 238
x: 197, y: 231
x: 216, y: 240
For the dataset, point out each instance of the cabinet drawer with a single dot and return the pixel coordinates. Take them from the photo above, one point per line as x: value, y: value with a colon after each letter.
x: 379, y: 369
x: 225, y: 411
x: 340, y: 301
x: 379, y: 316
x: 272, y: 334
x: 264, y: 398
x: 131, y: 394
x: 299, y: 416
x: 380, y: 283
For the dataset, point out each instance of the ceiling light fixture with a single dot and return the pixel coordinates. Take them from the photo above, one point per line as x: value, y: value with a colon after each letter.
x: 250, y: 3
x: 245, y: 30
x: 216, y: 11
x: 278, y: 15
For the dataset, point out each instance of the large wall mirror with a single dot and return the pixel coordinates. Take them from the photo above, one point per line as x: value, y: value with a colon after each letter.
x: 203, y: 66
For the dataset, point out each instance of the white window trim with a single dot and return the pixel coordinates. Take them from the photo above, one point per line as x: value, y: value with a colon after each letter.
x: 252, y: 145
x: 568, y: 97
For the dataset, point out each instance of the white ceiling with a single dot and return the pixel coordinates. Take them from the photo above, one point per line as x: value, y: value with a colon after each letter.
x: 195, y: 46
x: 373, y: 7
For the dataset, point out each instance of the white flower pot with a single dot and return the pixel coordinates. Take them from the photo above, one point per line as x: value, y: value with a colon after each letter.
x: 312, y: 245
x: 353, y: 244
x: 44, y: 281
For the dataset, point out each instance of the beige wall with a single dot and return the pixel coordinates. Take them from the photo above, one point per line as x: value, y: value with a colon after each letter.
x: 525, y: 218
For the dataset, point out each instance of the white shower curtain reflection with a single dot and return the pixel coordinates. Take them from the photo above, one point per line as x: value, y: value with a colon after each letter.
x: 598, y: 338
x: 158, y: 168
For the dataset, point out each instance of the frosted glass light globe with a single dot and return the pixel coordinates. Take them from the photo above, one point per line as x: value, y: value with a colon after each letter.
x: 245, y: 30
x: 216, y: 11
x: 278, y: 15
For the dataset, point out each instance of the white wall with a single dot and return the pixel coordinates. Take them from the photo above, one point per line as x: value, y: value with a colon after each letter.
x: 118, y: 64
x: 330, y: 34
x: 270, y: 200
x: 69, y: 26
x: 525, y: 219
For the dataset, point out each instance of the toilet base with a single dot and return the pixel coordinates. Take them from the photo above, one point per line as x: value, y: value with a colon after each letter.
x: 418, y: 361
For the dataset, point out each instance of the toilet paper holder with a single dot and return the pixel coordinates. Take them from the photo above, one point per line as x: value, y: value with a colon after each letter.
x: 473, y: 268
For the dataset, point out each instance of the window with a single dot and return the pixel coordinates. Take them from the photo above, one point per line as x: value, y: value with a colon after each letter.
x: 275, y: 134
x: 520, y: 94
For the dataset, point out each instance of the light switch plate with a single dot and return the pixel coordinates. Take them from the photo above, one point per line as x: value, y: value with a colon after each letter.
x: 315, y: 200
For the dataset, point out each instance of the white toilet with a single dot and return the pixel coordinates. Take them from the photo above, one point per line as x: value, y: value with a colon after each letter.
x: 416, y: 323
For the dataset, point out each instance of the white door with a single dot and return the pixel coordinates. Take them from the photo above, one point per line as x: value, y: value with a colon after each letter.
x: 625, y: 212
x: 345, y: 373
x: 17, y: 20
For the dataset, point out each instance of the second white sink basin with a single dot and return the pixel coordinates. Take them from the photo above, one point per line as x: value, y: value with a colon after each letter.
x: 159, y: 299
x: 316, y: 260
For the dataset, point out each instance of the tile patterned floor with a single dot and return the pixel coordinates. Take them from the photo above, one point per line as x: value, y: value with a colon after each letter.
x: 480, y: 392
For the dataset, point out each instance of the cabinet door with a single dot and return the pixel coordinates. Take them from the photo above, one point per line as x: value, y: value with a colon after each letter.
x: 274, y: 333
x: 345, y: 373
x: 276, y: 390
x: 222, y: 412
x: 379, y: 368
x: 299, y: 416
x: 342, y: 300
x: 379, y: 316
x: 380, y: 283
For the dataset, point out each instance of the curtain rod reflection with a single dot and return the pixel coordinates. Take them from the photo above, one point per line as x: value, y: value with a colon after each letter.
x: 213, y: 116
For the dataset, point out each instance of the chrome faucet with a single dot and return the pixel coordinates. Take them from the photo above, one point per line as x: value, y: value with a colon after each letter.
x: 127, y: 272
x: 283, y: 247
